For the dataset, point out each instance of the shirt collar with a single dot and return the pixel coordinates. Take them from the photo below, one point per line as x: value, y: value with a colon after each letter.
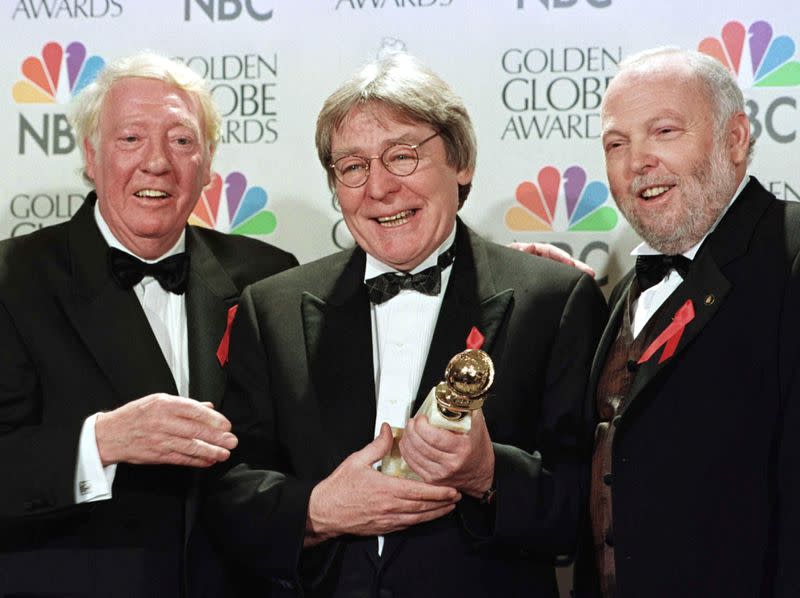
x: 112, y: 241
x: 644, y: 249
x: 375, y: 267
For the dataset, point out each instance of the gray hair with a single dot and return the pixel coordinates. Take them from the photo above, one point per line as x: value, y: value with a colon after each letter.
x: 721, y: 88
x: 403, y: 85
x: 84, y: 115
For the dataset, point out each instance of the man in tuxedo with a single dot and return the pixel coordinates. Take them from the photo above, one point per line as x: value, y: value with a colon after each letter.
x: 326, y: 357
x: 113, y: 330
x: 695, y: 479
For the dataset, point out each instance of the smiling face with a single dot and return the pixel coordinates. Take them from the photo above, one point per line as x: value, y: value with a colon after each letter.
x: 398, y: 220
x: 671, y: 171
x: 150, y: 163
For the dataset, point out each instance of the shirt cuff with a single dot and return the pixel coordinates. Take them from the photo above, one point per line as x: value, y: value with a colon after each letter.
x: 92, y: 480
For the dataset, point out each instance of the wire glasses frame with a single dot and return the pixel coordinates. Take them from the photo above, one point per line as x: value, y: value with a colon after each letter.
x: 400, y: 159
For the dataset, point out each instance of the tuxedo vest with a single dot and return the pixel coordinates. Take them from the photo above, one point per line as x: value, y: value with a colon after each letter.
x: 611, y: 397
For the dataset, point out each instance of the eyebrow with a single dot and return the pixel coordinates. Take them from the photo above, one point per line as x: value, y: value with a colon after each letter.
x: 648, y: 123
x: 138, y: 121
x: 407, y: 139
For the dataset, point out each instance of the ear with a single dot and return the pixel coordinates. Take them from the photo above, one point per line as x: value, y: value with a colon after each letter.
x: 91, y: 157
x: 738, y: 138
x: 464, y: 176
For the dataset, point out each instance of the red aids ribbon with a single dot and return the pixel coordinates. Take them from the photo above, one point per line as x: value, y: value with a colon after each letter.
x: 474, y: 339
x: 224, y: 344
x: 671, y: 335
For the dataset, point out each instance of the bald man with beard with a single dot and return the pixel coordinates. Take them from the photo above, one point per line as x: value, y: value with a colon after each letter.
x: 695, y: 473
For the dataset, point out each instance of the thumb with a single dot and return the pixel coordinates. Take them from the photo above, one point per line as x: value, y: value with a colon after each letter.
x: 376, y: 449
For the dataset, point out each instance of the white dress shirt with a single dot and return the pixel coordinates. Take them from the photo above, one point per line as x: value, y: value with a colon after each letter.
x: 402, y: 331
x: 166, y: 314
x: 651, y: 299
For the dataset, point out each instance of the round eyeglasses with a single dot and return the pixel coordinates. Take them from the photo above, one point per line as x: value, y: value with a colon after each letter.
x: 400, y: 159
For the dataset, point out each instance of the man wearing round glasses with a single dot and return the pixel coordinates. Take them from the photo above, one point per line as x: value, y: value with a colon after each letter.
x: 325, y: 358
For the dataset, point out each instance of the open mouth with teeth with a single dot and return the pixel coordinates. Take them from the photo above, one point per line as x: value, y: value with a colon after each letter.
x: 654, y: 192
x: 151, y: 194
x: 397, y: 219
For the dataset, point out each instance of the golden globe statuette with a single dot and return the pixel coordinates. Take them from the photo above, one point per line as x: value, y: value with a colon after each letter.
x: 449, y: 404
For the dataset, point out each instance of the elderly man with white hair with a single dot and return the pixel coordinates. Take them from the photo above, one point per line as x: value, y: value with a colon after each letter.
x: 113, y: 330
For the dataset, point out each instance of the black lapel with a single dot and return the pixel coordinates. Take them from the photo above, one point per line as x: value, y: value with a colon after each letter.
x: 209, y: 295
x: 704, y: 282
x: 110, y: 321
x: 210, y: 292
x: 706, y: 285
x: 609, y: 335
x: 338, y: 335
x: 470, y: 300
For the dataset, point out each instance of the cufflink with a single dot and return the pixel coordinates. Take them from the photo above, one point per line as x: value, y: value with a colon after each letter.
x: 84, y: 487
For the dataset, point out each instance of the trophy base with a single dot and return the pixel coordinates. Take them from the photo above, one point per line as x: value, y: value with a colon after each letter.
x: 393, y: 463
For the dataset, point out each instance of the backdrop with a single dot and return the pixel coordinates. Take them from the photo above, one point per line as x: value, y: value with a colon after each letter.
x: 532, y: 73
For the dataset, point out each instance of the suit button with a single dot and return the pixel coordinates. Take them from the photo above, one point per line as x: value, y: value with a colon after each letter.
x: 616, y: 420
x: 632, y: 365
x: 609, y: 538
x: 608, y: 479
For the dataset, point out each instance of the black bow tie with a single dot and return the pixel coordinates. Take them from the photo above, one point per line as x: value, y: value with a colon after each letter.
x: 651, y: 269
x: 171, y: 272
x: 429, y: 281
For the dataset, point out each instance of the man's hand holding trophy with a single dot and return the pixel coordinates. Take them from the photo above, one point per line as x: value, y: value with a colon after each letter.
x: 449, y: 405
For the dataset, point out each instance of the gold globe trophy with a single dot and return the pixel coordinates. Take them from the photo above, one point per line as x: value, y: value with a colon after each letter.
x: 449, y: 404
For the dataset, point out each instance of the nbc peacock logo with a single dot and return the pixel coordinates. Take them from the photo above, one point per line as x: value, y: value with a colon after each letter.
x: 764, y: 61
x: 56, y: 75
x: 582, y: 209
x: 243, y: 211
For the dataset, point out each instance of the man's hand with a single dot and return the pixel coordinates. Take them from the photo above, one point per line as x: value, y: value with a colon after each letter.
x: 554, y: 253
x: 357, y: 499
x: 164, y: 429
x: 463, y: 461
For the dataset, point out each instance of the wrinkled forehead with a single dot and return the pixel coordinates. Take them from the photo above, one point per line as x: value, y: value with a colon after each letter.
x: 139, y: 96
x: 371, y: 126
x: 659, y: 85
x: 384, y: 116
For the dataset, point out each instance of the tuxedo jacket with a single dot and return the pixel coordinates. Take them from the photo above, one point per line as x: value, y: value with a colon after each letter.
x: 706, y: 455
x: 72, y: 343
x: 302, y: 398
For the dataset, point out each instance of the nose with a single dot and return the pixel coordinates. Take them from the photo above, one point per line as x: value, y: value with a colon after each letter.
x: 155, y: 160
x: 642, y: 159
x: 381, y: 183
